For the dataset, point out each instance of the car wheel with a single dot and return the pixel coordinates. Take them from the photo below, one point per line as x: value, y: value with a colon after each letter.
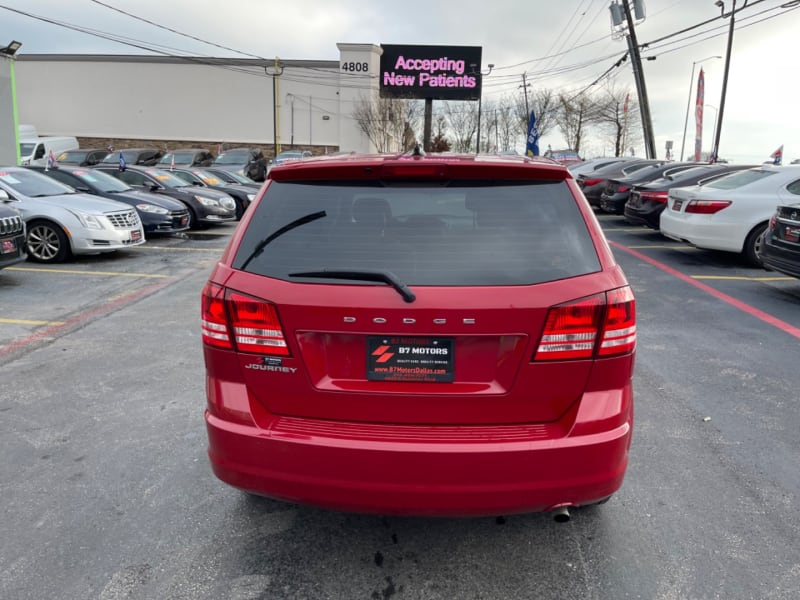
x: 47, y: 242
x: 194, y: 222
x: 753, y: 243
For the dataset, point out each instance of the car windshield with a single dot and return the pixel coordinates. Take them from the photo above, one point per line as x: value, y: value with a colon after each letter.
x: 180, y: 157
x: 475, y: 233
x: 26, y: 149
x: 32, y: 184
x: 167, y: 179
x: 72, y: 156
x: 232, y: 158
x: 738, y: 179
x: 231, y: 177
x: 102, y: 181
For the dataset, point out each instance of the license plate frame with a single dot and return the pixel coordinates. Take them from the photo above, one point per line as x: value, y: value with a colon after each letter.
x: 411, y: 359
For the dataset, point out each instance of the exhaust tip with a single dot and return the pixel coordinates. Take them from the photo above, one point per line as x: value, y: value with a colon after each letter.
x: 561, y: 514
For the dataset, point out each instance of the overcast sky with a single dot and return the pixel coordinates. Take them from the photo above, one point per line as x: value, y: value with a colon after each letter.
x: 761, y: 108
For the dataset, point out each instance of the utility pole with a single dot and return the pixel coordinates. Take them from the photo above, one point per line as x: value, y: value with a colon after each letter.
x: 525, y: 85
x: 718, y: 128
x: 636, y: 62
x: 276, y: 72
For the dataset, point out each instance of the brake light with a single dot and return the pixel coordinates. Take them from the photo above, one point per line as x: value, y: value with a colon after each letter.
x: 590, y: 182
x: 623, y: 188
x: 256, y: 326
x: 600, y: 325
x: 706, y: 207
x: 654, y: 196
x: 414, y: 169
x: 230, y: 317
x: 214, y: 325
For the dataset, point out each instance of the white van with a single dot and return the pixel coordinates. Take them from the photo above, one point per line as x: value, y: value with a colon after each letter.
x: 35, y: 151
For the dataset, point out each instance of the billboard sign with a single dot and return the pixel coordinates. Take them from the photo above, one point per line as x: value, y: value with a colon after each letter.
x: 437, y: 72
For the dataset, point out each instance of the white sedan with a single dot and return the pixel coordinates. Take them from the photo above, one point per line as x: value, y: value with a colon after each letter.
x: 730, y: 213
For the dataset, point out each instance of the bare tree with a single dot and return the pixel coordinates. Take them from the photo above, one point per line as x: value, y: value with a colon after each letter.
x: 439, y: 142
x: 389, y: 123
x: 544, y: 104
x: 617, y: 118
x: 462, y: 120
x: 576, y: 115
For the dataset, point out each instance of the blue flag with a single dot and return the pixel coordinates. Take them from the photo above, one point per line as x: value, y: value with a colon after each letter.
x: 121, y: 162
x: 532, y: 145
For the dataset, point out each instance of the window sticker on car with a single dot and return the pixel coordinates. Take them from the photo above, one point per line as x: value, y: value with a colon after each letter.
x: 412, y: 359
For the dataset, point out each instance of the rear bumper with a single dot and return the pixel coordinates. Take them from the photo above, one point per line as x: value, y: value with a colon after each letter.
x: 426, y: 470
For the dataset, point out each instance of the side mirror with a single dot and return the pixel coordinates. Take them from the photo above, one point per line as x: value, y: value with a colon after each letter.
x: 4, y: 196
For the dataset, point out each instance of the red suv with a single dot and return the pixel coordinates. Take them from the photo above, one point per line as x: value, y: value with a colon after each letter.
x: 420, y: 335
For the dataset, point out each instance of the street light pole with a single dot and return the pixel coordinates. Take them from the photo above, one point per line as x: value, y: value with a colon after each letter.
x: 277, y: 71
x: 689, y: 103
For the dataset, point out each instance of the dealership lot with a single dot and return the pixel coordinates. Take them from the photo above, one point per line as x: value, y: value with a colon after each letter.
x: 106, y: 479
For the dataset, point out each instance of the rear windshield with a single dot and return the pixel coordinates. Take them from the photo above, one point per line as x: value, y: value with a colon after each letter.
x: 461, y: 234
x: 739, y: 179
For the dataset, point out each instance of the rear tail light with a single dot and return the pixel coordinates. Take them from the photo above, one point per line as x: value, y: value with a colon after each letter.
x: 707, y: 207
x: 600, y: 325
x: 654, y: 196
x: 586, y: 182
x: 236, y: 321
x: 623, y: 188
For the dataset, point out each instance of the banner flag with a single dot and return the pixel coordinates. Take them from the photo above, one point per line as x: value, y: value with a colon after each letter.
x: 532, y: 144
x: 698, y: 116
x: 777, y: 156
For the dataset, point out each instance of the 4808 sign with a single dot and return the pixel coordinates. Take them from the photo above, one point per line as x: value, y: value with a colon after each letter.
x: 355, y: 67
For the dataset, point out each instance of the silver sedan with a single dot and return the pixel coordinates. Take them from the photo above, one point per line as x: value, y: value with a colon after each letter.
x: 62, y: 222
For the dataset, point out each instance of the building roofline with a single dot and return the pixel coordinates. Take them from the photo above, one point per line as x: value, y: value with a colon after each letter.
x: 204, y: 60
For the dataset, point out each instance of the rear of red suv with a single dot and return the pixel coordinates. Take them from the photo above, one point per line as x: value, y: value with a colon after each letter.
x: 420, y: 335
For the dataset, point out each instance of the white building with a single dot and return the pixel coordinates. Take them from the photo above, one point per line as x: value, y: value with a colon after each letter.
x: 202, y: 101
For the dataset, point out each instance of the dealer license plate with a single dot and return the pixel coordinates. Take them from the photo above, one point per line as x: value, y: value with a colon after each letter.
x: 136, y: 235
x: 8, y: 247
x: 410, y: 359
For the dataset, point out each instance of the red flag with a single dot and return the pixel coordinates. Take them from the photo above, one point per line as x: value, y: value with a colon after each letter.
x: 777, y: 156
x: 698, y: 116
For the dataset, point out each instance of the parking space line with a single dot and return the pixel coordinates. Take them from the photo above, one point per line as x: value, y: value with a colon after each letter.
x: 664, y: 247
x: 146, y: 247
x: 743, y: 306
x: 29, y: 322
x: 742, y: 278
x: 77, y: 272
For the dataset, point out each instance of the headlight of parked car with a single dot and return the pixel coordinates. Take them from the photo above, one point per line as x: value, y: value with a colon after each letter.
x: 228, y: 202
x: 206, y: 201
x: 152, y: 208
x: 88, y: 220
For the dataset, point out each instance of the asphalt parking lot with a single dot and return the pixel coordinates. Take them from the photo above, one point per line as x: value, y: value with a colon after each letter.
x: 107, y: 493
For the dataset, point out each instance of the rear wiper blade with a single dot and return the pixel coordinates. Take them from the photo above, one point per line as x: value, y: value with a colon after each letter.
x: 362, y: 275
x: 288, y: 227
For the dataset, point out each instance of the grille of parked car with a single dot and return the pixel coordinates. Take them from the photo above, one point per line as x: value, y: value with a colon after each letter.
x: 123, y: 220
x: 10, y: 225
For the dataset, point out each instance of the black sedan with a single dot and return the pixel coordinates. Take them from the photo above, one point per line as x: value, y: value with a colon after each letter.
x: 243, y: 195
x: 593, y: 183
x: 133, y: 156
x: 159, y: 214
x: 186, y: 157
x: 233, y: 177
x: 206, y: 206
x: 618, y: 189
x: 85, y: 157
x: 780, y: 246
x: 249, y: 162
x: 647, y: 201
